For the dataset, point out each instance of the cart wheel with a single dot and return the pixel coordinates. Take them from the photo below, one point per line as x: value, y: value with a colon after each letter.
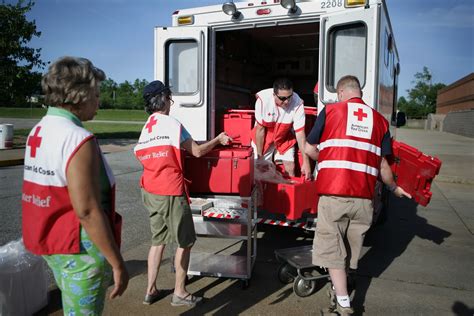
x: 245, y: 284
x: 304, y: 288
x: 286, y: 273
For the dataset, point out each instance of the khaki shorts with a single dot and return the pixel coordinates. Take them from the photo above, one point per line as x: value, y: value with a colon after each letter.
x: 170, y: 219
x: 341, y: 221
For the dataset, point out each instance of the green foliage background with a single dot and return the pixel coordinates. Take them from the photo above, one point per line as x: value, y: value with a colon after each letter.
x: 18, y: 80
x: 422, y: 97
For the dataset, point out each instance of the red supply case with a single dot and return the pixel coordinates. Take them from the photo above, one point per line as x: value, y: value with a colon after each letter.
x: 222, y: 171
x: 290, y: 199
x: 238, y: 124
x: 414, y: 171
x: 311, y: 114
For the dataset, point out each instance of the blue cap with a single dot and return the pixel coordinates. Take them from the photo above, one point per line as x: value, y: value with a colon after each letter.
x: 154, y: 88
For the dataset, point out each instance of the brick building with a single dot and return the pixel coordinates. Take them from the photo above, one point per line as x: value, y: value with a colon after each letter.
x: 457, y: 96
x: 455, y: 108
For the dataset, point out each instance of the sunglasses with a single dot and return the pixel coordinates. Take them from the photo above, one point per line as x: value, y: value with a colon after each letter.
x: 283, y: 99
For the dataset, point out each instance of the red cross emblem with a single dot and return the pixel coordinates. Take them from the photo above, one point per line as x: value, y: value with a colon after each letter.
x: 34, y: 142
x: 151, y: 123
x: 360, y: 114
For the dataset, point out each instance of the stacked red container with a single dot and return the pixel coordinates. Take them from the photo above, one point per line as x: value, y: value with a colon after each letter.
x: 238, y: 124
x: 310, y: 114
x: 223, y: 170
x: 290, y: 199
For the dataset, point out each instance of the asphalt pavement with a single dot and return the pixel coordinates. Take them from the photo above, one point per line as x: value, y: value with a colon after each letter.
x: 419, y: 262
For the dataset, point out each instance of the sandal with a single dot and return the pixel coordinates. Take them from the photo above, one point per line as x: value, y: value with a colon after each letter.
x: 189, y: 300
x: 152, y: 298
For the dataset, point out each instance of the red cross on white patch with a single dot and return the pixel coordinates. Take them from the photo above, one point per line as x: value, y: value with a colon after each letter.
x: 34, y: 142
x: 152, y: 122
x: 360, y: 120
x: 360, y: 114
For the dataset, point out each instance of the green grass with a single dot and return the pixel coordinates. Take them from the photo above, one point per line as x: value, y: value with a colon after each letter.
x: 22, y: 112
x: 122, y: 115
x: 108, y: 130
x: 100, y: 130
x: 106, y: 115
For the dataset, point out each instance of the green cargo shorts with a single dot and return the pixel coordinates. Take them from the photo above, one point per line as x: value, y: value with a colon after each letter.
x: 170, y: 219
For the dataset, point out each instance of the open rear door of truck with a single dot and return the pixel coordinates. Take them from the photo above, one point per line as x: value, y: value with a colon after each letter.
x: 414, y: 171
x: 181, y: 57
x: 347, y: 37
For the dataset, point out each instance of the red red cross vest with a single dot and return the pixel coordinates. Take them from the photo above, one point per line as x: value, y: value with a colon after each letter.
x: 278, y: 121
x: 158, y: 150
x: 350, y: 149
x: 50, y: 225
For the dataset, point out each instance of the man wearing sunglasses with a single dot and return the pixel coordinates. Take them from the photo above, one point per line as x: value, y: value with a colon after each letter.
x: 279, y: 125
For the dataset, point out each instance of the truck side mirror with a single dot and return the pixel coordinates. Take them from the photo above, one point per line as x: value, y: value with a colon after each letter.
x: 401, y: 119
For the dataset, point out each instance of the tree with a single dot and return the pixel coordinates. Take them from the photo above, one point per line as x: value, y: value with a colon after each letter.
x: 410, y: 109
x: 18, y: 81
x: 124, y: 95
x: 422, y: 97
x: 138, y: 87
x: 108, y: 90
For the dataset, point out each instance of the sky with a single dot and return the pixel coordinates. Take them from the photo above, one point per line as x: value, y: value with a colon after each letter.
x: 117, y: 35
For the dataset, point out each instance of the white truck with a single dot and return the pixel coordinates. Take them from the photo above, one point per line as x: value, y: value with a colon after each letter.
x: 217, y: 57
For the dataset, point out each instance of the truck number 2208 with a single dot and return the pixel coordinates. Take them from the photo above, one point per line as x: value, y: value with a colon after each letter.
x: 331, y: 4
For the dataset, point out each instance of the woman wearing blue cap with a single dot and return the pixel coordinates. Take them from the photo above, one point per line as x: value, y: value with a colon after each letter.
x: 163, y: 192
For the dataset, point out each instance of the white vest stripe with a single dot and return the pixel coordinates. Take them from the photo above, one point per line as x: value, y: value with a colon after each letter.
x: 350, y: 143
x: 343, y: 164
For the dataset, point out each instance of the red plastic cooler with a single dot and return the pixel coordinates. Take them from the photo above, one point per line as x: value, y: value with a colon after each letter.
x: 414, y: 171
x: 310, y: 113
x: 222, y: 171
x: 238, y: 124
x: 290, y: 199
